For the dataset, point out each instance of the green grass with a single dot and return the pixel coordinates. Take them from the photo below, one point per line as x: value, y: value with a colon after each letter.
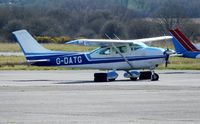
x: 14, y: 47
x: 178, y: 63
x: 18, y: 63
x: 9, y: 47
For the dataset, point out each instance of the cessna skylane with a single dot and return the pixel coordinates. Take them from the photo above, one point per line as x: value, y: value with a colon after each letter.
x: 183, y: 46
x: 112, y: 55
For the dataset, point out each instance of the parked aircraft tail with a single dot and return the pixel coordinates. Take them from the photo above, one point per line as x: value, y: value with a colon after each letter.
x: 181, y: 43
x: 28, y: 44
x: 35, y: 53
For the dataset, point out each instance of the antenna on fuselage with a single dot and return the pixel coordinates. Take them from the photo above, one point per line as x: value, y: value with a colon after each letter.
x: 108, y: 37
x: 116, y: 36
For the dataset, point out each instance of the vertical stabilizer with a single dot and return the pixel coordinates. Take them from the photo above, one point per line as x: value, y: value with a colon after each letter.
x: 181, y: 42
x: 28, y: 44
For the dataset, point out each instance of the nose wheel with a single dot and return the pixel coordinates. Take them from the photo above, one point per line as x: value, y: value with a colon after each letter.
x: 154, y: 76
x: 143, y: 75
x: 149, y: 75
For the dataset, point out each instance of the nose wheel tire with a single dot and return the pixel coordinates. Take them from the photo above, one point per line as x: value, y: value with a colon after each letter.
x: 149, y: 75
x: 154, y: 77
x: 145, y: 75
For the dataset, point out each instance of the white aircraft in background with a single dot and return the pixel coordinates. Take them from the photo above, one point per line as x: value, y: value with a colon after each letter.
x: 127, y: 55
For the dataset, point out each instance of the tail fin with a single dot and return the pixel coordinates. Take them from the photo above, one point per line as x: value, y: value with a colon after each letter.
x: 181, y: 42
x: 28, y: 44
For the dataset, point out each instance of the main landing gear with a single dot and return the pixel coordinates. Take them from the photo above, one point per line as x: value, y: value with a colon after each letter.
x: 143, y: 75
x: 133, y: 75
x: 154, y: 76
x: 104, y: 77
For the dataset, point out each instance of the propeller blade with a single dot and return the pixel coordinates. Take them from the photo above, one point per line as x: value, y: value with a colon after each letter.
x: 166, y: 60
x: 166, y: 53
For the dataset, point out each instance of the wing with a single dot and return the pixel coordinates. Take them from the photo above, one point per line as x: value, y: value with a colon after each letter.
x: 108, y: 42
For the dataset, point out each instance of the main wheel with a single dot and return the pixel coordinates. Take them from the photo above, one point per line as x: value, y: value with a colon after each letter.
x: 155, y: 77
x: 145, y: 75
x: 100, y: 77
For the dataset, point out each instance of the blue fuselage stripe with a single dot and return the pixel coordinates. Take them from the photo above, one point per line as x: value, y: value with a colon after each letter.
x: 81, y: 59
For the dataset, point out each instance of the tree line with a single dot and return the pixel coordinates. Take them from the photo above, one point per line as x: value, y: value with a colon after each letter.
x: 128, y: 19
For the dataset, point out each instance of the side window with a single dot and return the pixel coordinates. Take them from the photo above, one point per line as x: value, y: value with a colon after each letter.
x: 122, y: 49
x: 134, y: 47
x: 105, y: 51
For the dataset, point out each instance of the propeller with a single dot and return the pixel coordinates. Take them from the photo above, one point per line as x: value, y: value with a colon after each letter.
x: 167, y: 53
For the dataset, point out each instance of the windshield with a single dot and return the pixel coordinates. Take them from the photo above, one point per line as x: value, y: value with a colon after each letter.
x: 134, y: 46
x: 143, y: 45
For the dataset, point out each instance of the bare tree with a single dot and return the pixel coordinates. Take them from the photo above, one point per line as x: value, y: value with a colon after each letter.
x: 170, y: 14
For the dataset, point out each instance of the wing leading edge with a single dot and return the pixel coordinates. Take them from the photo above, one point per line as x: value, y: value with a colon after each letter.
x: 108, y: 42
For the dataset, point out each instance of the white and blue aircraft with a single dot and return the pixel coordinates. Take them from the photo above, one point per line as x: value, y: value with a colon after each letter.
x: 113, y: 55
x: 183, y: 46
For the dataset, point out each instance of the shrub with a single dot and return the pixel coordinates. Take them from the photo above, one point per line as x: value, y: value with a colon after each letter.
x: 46, y: 39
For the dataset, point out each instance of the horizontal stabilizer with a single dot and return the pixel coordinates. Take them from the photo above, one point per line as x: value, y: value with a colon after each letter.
x: 40, y: 62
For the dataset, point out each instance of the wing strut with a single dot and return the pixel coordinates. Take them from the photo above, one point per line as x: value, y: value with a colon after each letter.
x: 122, y: 55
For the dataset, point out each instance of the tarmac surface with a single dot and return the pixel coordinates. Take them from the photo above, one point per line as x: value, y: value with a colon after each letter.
x: 71, y: 97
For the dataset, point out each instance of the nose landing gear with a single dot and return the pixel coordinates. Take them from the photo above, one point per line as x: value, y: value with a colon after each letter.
x: 142, y: 75
x: 154, y: 76
x: 146, y: 75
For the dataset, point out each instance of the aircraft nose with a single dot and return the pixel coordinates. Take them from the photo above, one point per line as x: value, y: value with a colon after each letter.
x: 169, y: 51
x: 154, y: 51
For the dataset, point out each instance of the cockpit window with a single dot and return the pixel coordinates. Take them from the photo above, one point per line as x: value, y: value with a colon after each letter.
x: 134, y: 47
x: 105, y: 51
x: 122, y: 49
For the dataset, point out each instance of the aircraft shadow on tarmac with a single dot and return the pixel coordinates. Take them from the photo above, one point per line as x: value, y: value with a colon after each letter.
x: 89, y: 81
x: 173, y: 73
x: 70, y: 81
x: 180, y: 72
x: 59, y: 81
x: 31, y: 80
